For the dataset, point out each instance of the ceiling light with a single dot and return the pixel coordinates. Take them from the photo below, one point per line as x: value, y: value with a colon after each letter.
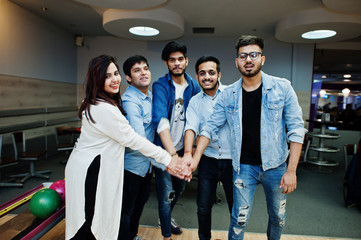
x: 347, y: 80
x: 347, y: 75
x: 323, y: 76
x: 346, y: 92
x: 143, y: 31
x: 318, y: 34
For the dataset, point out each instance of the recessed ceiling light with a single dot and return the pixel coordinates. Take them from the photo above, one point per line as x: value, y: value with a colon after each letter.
x: 347, y: 75
x: 323, y: 76
x: 347, y: 80
x: 318, y: 34
x: 144, y: 31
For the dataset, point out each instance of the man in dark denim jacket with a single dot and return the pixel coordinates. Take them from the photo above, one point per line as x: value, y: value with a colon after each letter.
x: 171, y: 95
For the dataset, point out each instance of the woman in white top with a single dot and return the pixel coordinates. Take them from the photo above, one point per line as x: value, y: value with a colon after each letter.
x: 94, y: 172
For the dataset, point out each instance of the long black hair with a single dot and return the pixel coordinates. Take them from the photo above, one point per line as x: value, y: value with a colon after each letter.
x: 94, y: 82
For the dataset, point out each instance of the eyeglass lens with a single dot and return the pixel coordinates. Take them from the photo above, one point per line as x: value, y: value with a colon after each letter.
x: 252, y: 55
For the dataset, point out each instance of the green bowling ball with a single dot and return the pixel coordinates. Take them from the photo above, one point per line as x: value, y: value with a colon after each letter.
x: 44, y: 203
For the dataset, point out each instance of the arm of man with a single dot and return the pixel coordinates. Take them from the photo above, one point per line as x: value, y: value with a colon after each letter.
x: 295, y: 135
x: 201, y: 146
x: 289, y: 179
x: 188, y: 146
x: 167, y: 141
x: 191, y: 128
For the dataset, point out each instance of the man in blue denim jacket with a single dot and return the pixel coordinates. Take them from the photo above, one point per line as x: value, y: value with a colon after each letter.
x: 137, y: 102
x: 263, y: 114
x: 216, y: 162
x: 171, y: 95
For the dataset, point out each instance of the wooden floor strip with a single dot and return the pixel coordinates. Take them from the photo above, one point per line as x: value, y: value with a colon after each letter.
x: 154, y: 233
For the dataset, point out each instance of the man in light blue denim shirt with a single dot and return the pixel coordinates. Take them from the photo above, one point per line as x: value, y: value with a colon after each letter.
x: 264, y: 115
x: 137, y: 103
x: 216, y: 162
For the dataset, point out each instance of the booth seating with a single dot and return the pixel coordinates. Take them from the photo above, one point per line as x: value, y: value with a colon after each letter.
x: 7, y: 162
x: 19, y: 142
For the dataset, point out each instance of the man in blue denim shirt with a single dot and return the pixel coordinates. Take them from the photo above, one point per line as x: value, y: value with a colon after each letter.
x: 171, y: 95
x: 263, y: 114
x: 137, y: 102
x: 216, y: 162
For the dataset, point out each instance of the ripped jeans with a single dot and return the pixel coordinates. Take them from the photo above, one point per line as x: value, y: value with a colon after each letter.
x: 169, y: 188
x: 245, y: 183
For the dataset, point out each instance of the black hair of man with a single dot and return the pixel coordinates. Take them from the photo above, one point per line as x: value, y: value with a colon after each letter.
x: 172, y: 47
x: 246, y: 40
x: 131, y: 61
x: 204, y: 59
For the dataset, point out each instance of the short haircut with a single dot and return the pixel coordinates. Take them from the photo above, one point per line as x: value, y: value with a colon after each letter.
x: 208, y: 59
x: 129, y: 63
x: 172, y: 47
x: 246, y: 40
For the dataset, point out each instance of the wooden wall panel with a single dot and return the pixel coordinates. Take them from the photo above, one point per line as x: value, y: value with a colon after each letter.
x: 19, y: 92
x: 22, y: 93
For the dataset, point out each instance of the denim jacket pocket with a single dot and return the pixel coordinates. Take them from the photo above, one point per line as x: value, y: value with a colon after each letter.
x: 231, y: 112
x: 275, y: 109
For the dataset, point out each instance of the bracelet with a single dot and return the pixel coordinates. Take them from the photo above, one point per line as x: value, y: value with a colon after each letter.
x: 172, y: 155
x: 188, y: 152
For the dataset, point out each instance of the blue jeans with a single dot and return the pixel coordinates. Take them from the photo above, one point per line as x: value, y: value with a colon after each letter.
x: 169, y: 188
x: 210, y: 172
x: 245, y: 183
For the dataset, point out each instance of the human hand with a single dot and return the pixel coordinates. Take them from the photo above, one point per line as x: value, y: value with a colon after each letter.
x: 178, y: 168
x: 288, y: 182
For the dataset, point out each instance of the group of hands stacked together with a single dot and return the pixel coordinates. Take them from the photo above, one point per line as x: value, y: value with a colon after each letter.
x: 182, y: 167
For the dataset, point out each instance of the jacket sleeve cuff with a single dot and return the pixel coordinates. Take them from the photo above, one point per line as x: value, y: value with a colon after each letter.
x: 297, y: 135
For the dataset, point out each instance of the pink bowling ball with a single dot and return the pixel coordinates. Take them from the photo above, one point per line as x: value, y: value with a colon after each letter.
x: 59, y: 187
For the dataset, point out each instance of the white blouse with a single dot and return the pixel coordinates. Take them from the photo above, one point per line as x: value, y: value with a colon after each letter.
x: 107, y: 137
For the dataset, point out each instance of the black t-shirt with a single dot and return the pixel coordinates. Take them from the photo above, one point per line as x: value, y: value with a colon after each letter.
x: 251, y: 126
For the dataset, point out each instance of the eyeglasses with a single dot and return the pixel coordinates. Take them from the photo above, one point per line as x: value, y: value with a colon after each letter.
x: 253, y: 55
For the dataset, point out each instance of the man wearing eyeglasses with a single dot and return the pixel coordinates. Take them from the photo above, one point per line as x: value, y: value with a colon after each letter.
x: 263, y: 114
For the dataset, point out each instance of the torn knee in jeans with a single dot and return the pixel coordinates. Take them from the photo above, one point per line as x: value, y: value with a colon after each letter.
x: 171, y: 196
x: 242, y: 216
x: 282, y: 208
x: 281, y: 212
x: 239, y: 183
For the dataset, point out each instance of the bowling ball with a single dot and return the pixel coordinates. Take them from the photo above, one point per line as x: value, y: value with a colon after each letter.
x: 44, y: 203
x: 59, y: 187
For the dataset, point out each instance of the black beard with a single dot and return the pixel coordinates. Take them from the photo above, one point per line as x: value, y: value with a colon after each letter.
x: 250, y: 73
x: 213, y: 88
x: 177, y: 74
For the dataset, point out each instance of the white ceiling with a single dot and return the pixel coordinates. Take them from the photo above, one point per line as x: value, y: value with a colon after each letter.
x: 283, y: 19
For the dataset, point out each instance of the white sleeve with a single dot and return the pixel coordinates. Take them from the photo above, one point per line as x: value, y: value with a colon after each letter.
x: 113, y: 124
